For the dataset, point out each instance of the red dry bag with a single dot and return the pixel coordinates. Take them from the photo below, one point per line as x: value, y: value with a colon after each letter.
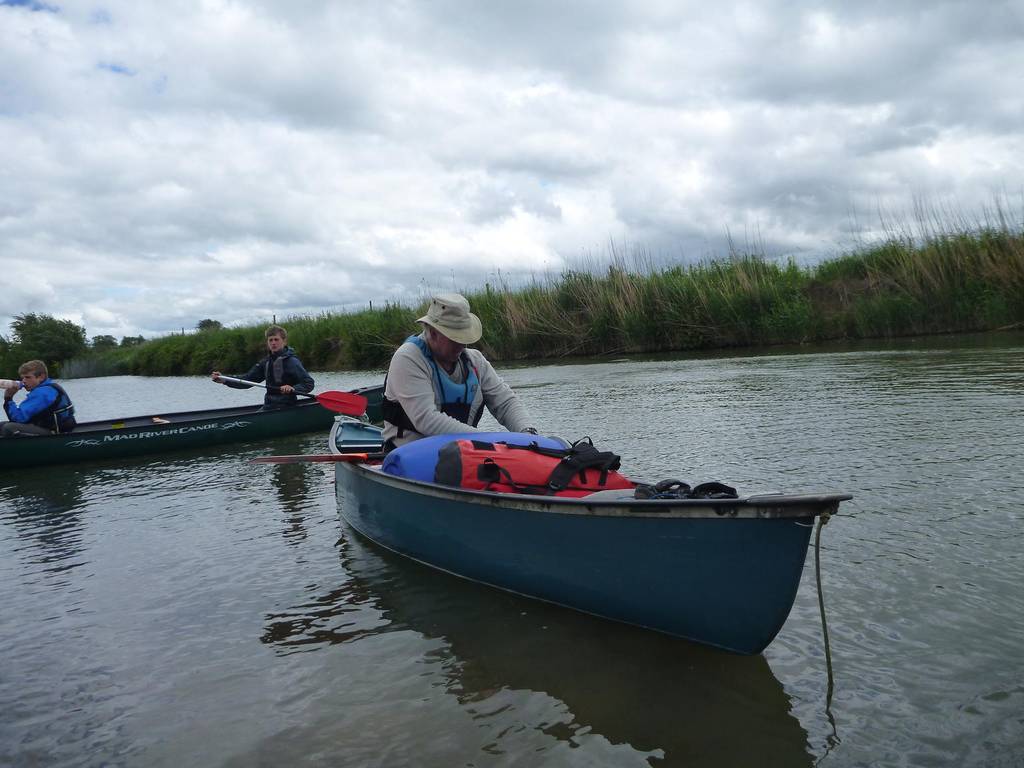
x: 578, y: 470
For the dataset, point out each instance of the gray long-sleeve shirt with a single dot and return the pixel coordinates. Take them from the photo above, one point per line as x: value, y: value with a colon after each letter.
x: 411, y: 383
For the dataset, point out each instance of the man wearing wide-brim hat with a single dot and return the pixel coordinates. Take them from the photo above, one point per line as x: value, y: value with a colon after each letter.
x: 437, y: 385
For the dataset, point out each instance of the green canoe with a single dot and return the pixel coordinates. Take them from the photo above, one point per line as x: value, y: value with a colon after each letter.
x: 157, y: 433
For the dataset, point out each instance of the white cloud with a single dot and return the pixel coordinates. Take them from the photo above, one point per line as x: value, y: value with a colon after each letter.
x: 233, y: 159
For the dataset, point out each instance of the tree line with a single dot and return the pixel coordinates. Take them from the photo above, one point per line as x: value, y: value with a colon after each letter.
x: 36, y: 336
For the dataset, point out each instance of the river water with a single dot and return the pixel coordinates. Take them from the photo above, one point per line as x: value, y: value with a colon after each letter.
x: 196, y: 609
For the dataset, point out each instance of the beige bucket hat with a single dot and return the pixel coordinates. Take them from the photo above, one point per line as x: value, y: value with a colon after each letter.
x: 449, y: 314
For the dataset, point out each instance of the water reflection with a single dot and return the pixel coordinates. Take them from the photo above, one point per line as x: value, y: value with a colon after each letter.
x: 673, y: 700
x: 47, y: 512
x: 292, y: 483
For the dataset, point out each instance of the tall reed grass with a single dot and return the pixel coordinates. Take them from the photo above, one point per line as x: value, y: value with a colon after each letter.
x: 932, y: 278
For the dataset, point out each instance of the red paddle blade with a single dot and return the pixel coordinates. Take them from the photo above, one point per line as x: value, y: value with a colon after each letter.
x: 348, y: 403
x: 305, y: 458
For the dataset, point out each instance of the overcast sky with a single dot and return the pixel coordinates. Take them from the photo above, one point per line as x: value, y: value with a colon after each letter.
x: 162, y: 163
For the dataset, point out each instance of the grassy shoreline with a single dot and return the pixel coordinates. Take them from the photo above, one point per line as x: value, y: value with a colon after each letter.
x: 943, y: 282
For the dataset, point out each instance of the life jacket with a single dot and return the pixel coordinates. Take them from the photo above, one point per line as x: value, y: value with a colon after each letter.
x: 274, y: 376
x: 59, y: 416
x: 576, y: 471
x: 456, y: 399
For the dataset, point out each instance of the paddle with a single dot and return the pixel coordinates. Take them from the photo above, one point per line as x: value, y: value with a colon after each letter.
x: 348, y: 403
x: 247, y: 383
x: 302, y: 458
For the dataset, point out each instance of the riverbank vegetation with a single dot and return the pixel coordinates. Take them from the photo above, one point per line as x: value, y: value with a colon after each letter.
x: 964, y: 280
x: 40, y: 337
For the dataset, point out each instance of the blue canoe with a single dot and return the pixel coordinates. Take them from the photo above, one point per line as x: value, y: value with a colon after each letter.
x: 723, y: 572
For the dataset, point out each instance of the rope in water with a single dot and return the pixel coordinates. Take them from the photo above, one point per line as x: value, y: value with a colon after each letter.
x: 822, y: 521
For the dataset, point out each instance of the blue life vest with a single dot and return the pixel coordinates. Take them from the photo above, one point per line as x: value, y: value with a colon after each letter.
x: 456, y: 399
x: 59, y: 416
x: 451, y: 392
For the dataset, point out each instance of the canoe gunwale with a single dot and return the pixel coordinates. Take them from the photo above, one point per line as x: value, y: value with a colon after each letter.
x: 758, y: 506
x: 147, y: 435
x: 180, y: 418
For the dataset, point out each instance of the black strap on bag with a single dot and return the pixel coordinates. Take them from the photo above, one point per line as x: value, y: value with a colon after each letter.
x: 579, y: 458
x: 491, y: 471
x: 575, y: 460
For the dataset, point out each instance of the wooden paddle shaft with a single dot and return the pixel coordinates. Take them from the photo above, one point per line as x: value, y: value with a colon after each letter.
x: 304, y: 458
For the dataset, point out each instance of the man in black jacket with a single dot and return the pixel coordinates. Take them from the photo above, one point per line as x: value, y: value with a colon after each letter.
x: 281, y: 370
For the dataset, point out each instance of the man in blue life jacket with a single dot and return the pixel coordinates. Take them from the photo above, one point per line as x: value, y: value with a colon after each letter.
x: 281, y: 370
x: 435, y: 385
x: 47, y: 410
